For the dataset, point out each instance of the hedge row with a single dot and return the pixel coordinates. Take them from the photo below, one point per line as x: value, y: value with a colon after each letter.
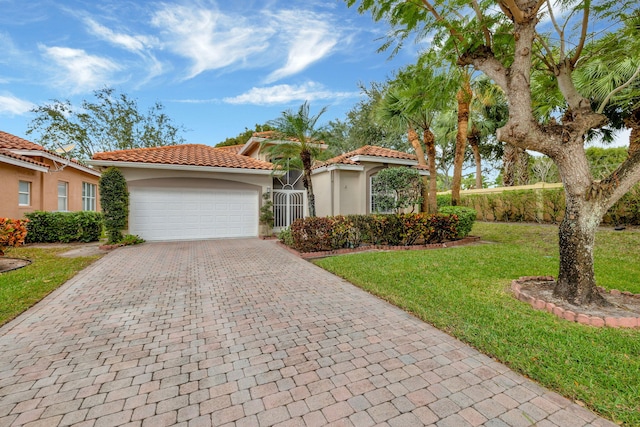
x: 545, y: 206
x: 330, y: 233
x: 50, y: 227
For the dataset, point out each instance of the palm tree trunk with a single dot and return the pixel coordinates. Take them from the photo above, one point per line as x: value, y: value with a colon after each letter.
x: 474, y: 137
x: 414, y: 140
x: 463, y: 97
x: 430, y: 143
x: 305, y: 156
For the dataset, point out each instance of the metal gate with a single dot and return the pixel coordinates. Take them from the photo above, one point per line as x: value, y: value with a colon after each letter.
x: 288, y: 205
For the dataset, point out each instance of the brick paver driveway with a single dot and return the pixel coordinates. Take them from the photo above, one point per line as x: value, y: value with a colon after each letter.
x: 242, y: 332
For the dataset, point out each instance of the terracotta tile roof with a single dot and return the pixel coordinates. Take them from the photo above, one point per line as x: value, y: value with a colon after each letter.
x: 367, y: 150
x: 13, y: 142
x: 7, y: 153
x: 187, y: 154
x: 231, y: 148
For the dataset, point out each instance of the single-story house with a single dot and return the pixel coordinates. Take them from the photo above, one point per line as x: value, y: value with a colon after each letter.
x: 196, y: 191
x: 35, y: 178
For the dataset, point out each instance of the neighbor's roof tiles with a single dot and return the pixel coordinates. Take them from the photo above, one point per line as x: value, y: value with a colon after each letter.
x: 367, y: 150
x: 231, y: 148
x: 13, y: 142
x: 187, y: 154
x: 7, y: 153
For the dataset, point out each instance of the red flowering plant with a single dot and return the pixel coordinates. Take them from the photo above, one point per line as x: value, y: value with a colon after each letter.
x: 12, y: 233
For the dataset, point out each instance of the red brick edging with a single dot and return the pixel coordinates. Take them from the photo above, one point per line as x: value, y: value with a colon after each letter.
x: 322, y: 254
x: 572, y: 316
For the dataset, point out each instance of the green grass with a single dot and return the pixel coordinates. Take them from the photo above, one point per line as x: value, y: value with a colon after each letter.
x: 464, y: 291
x: 22, y: 288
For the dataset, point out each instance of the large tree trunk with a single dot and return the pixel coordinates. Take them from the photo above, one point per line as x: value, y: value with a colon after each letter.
x: 633, y: 123
x: 576, y: 280
x: 474, y: 139
x: 430, y: 144
x: 414, y: 140
x: 515, y: 163
x: 305, y: 156
x: 463, y: 97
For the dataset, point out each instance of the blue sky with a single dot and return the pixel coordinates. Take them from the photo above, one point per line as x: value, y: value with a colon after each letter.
x: 217, y: 66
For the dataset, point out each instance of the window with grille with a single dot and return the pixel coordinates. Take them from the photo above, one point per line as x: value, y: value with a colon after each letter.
x: 88, y: 196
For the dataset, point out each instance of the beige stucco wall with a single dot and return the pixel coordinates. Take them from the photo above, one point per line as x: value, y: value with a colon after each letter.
x: 351, y: 190
x: 132, y: 175
x: 44, y: 188
x: 322, y: 192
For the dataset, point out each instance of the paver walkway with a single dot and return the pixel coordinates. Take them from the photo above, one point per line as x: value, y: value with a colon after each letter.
x: 241, y: 332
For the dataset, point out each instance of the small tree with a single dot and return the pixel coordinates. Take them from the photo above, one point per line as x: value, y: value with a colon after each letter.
x: 114, y: 199
x: 397, y: 188
x: 266, y: 214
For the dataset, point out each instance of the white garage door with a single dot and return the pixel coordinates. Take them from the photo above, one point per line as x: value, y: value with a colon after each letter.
x: 192, y: 213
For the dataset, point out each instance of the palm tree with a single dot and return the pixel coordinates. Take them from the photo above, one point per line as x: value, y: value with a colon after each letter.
x: 416, y: 97
x: 301, y: 140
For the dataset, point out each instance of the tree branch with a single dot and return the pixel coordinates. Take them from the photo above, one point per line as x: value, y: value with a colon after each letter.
x: 620, y: 181
x: 618, y: 89
x: 583, y: 33
x: 558, y: 29
x: 441, y: 20
x: 550, y: 65
x: 485, y: 30
x: 514, y: 11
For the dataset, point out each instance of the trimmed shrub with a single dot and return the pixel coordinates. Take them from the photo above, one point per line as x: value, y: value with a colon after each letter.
x: 312, y: 234
x: 65, y: 227
x: 443, y: 200
x: 12, y: 233
x: 466, y: 218
x: 114, y: 199
x: 324, y: 234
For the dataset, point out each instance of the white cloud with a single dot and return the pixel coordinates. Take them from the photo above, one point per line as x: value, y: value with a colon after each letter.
x: 309, y: 38
x: 209, y: 38
x: 283, y: 94
x: 10, y: 105
x: 137, y: 43
x: 79, y: 71
x: 141, y: 45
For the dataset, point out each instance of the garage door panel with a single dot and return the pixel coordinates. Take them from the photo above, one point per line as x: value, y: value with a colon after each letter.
x: 187, y: 213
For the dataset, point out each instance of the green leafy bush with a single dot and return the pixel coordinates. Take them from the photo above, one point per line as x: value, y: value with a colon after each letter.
x: 65, y: 227
x: 286, y: 237
x: 323, y: 234
x: 466, y: 218
x: 443, y: 200
x: 131, y: 239
x: 114, y: 199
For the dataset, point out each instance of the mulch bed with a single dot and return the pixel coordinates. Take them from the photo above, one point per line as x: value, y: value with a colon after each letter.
x: 9, y: 264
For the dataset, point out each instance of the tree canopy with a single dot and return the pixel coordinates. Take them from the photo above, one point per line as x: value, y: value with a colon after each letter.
x: 532, y: 49
x: 111, y: 121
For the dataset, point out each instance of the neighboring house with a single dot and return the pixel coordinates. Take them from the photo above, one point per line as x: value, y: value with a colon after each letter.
x: 198, y: 192
x: 34, y: 178
x: 342, y: 185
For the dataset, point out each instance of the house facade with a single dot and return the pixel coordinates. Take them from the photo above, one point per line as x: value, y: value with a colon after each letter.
x: 196, y: 191
x: 34, y: 178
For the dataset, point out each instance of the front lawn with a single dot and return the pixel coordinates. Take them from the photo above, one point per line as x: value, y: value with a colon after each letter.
x: 22, y: 288
x: 464, y: 291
